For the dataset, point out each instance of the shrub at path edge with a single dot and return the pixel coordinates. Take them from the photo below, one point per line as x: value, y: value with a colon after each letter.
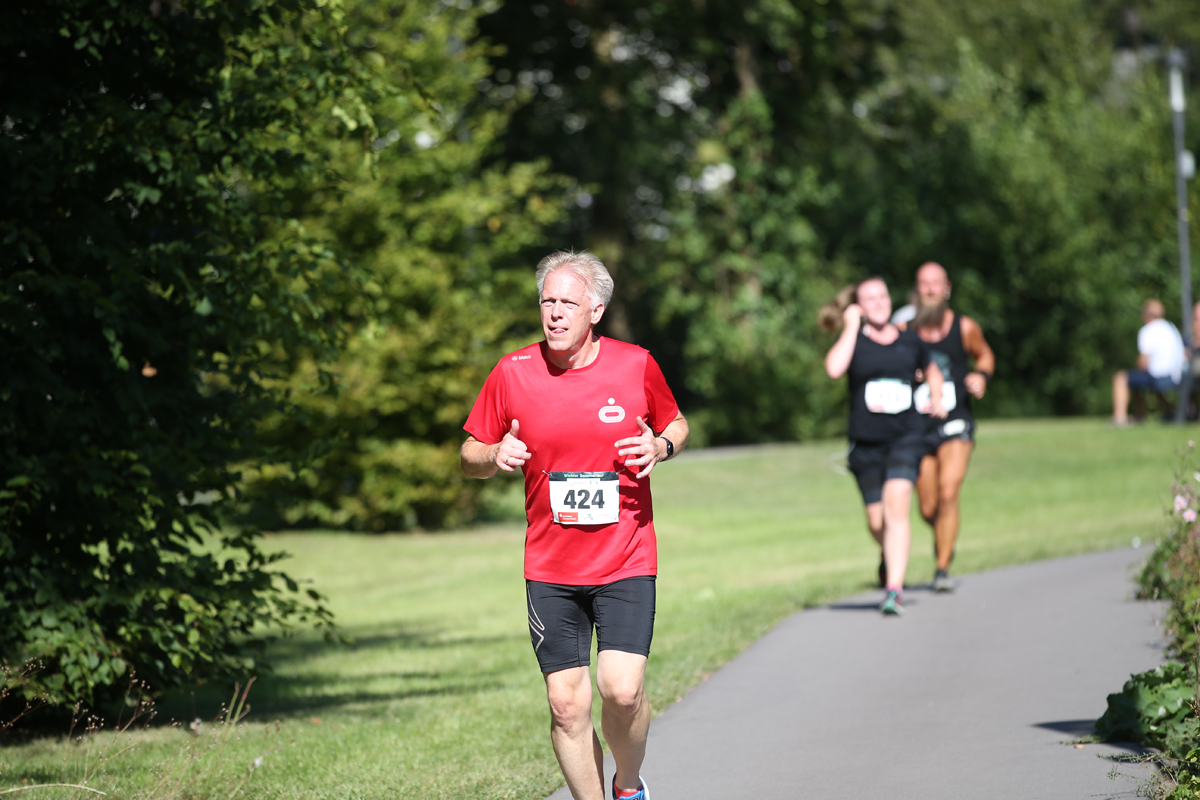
x: 1161, y: 707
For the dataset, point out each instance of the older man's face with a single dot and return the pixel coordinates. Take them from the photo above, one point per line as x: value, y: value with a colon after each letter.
x: 567, y: 312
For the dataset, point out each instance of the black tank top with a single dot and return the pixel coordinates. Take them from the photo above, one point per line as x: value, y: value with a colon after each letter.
x: 951, y: 358
x: 883, y: 364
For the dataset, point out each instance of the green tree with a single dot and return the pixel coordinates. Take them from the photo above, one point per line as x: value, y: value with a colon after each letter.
x: 441, y: 235
x: 745, y: 159
x: 701, y: 132
x: 152, y: 265
x: 1028, y: 150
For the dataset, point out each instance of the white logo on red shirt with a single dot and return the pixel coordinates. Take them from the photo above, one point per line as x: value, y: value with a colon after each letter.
x: 611, y: 413
x: 521, y: 358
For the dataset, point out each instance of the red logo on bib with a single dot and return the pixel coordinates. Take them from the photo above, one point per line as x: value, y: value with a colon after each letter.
x: 568, y: 516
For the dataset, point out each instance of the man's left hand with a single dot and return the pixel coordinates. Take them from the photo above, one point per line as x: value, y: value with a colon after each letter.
x: 976, y: 384
x: 644, y: 446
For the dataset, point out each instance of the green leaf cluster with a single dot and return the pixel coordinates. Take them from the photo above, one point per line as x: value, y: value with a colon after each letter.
x: 1154, y: 708
x: 153, y: 266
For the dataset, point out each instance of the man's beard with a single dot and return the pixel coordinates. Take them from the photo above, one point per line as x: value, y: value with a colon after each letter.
x: 931, y: 316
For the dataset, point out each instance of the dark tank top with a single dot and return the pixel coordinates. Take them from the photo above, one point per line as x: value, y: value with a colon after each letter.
x: 951, y: 358
x: 884, y: 365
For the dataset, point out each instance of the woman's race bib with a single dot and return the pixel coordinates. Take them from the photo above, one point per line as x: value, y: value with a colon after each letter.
x: 923, y: 401
x: 584, y: 498
x: 889, y: 396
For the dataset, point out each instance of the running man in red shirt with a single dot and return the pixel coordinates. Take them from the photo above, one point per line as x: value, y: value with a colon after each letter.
x: 578, y: 414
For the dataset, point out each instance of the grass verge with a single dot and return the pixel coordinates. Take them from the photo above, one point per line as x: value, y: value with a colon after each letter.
x: 440, y: 696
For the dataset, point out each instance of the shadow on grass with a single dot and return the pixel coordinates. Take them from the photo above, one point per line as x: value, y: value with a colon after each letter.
x: 282, y: 693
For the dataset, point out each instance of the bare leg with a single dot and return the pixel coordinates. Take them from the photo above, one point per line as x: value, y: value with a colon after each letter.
x: 953, y: 458
x: 1120, y: 393
x: 927, y: 488
x: 575, y: 742
x: 875, y: 522
x: 897, y: 532
x: 625, y: 713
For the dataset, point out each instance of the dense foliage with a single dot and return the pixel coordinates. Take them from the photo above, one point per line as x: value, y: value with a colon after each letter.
x: 1172, y: 572
x: 152, y: 270
x: 1161, y: 707
x: 437, y: 232
x: 1154, y: 708
x: 733, y: 164
x: 745, y: 159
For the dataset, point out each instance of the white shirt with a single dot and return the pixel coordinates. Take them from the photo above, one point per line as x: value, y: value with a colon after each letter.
x: 1161, y: 341
x: 904, y: 314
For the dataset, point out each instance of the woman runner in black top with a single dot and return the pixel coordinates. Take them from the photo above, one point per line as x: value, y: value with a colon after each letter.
x: 886, y: 432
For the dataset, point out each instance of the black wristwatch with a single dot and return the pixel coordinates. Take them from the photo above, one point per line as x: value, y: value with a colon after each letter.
x: 670, y: 447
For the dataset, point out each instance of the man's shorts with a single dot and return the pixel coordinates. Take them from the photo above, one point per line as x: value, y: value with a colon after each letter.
x: 561, y: 618
x: 942, y: 431
x: 1140, y: 381
x: 873, y: 463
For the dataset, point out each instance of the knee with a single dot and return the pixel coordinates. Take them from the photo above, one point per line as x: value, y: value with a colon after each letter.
x: 569, y: 711
x: 622, y: 696
x: 948, y: 494
x: 929, y: 507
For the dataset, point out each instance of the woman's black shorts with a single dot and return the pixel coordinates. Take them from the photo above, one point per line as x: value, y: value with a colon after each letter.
x: 561, y: 618
x: 873, y: 463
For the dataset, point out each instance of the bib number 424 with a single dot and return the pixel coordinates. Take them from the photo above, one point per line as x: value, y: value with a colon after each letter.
x: 584, y: 498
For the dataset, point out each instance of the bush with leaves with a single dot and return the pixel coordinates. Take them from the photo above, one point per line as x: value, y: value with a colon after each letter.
x: 152, y: 269
x: 1161, y: 707
x: 1155, y: 708
x: 1172, y: 571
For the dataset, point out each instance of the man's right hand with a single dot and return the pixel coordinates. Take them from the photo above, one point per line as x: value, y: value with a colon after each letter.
x: 511, y: 452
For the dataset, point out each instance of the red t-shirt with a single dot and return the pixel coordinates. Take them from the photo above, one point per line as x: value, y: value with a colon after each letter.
x: 570, y: 421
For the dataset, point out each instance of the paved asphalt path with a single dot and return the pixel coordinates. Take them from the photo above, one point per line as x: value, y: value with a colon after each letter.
x: 975, y: 694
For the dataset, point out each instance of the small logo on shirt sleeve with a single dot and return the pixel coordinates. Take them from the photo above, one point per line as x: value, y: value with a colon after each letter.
x: 521, y: 358
x: 611, y: 413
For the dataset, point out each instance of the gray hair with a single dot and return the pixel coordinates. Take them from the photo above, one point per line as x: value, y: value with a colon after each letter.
x: 585, y: 266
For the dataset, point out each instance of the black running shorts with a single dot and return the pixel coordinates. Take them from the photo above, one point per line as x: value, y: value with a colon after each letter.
x: 873, y: 463
x: 561, y: 618
x: 942, y: 431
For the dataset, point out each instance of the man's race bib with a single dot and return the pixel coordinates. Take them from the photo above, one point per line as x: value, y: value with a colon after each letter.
x: 889, y: 396
x: 923, y: 401
x: 584, y: 498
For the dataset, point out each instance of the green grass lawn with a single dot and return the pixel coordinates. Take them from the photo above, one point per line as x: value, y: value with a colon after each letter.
x: 440, y: 697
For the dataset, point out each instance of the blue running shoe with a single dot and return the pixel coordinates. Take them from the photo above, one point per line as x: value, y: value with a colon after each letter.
x: 641, y: 794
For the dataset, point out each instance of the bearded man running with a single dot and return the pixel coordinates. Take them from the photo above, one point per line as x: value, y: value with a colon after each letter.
x: 954, y: 340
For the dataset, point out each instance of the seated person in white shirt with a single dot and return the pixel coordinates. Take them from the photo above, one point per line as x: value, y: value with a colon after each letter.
x: 1159, y: 366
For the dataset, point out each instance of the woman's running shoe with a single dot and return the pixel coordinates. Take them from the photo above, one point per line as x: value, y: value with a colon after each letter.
x: 942, y: 582
x: 891, y: 605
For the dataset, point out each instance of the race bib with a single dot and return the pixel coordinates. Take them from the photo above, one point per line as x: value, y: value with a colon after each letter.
x: 922, y: 399
x: 584, y: 498
x: 889, y: 396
